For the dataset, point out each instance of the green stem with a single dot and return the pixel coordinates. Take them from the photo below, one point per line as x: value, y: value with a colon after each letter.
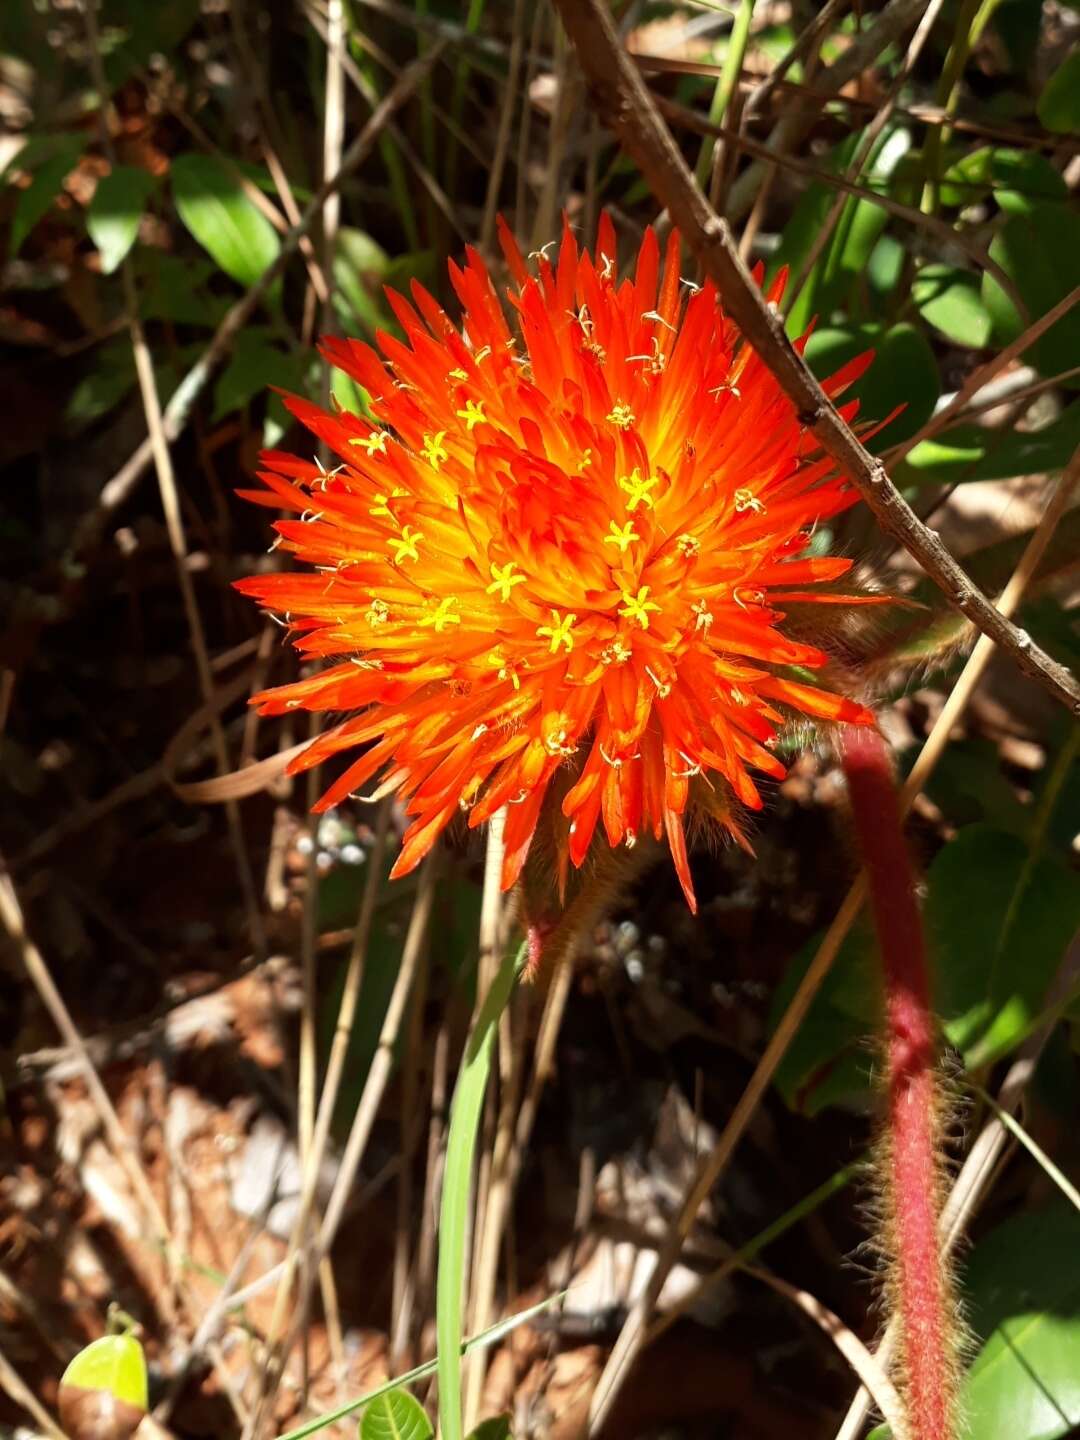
x: 457, y: 1180
x: 725, y: 86
x: 971, y: 20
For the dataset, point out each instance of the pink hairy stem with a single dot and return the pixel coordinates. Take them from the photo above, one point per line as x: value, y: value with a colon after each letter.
x: 920, y: 1289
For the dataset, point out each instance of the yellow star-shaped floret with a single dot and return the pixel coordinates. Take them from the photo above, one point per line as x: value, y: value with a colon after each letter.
x: 638, y: 607
x: 441, y: 616
x: 473, y: 414
x: 405, y: 546
x: 503, y: 580
x: 434, y: 450
x: 621, y: 535
x: 375, y: 442
x: 638, y: 489
x: 558, y: 632
x: 506, y: 670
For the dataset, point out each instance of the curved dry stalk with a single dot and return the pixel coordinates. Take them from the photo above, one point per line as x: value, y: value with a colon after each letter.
x: 862, y: 1361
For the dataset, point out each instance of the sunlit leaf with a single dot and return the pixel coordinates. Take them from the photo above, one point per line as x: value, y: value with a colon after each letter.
x: 1017, y: 179
x: 222, y: 218
x: 858, y: 228
x: 978, y: 452
x: 395, y: 1416
x: 112, y: 219
x: 103, y: 1392
x: 1022, y: 1296
x: 949, y: 299
x: 904, y: 370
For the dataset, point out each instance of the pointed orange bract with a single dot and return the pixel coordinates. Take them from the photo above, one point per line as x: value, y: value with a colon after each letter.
x: 558, y: 547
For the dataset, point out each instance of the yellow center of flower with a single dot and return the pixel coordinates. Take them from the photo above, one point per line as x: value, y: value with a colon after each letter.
x: 621, y: 416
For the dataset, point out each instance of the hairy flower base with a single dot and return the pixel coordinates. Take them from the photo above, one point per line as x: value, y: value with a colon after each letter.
x: 572, y: 548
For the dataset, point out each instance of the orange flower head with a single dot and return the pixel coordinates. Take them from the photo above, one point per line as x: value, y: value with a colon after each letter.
x: 562, y: 549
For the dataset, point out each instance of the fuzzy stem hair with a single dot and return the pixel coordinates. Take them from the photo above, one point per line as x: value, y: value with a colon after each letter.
x: 919, y: 1287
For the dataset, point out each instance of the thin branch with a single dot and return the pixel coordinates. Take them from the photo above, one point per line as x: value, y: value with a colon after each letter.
x: 953, y: 411
x: 622, y: 96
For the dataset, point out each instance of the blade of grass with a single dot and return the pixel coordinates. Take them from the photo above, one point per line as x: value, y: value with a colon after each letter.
x: 711, y: 155
x: 453, y: 1217
x: 1065, y: 1185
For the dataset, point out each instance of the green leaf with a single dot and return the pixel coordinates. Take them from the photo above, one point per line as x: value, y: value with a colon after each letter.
x: 845, y: 257
x: 1017, y: 179
x: 998, y: 919
x: 221, y: 217
x: 110, y: 377
x: 113, y: 217
x: 974, y: 452
x: 904, y: 370
x: 1024, y: 1302
x: 36, y: 199
x: 360, y: 267
x: 1059, y: 103
x: 174, y: 288
x: 949, y: 299
x: 116, y: 1364
x: 256, y: 364
x: 497, y: 1428
x: 395, y: 1416
x: 1038, y: 250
